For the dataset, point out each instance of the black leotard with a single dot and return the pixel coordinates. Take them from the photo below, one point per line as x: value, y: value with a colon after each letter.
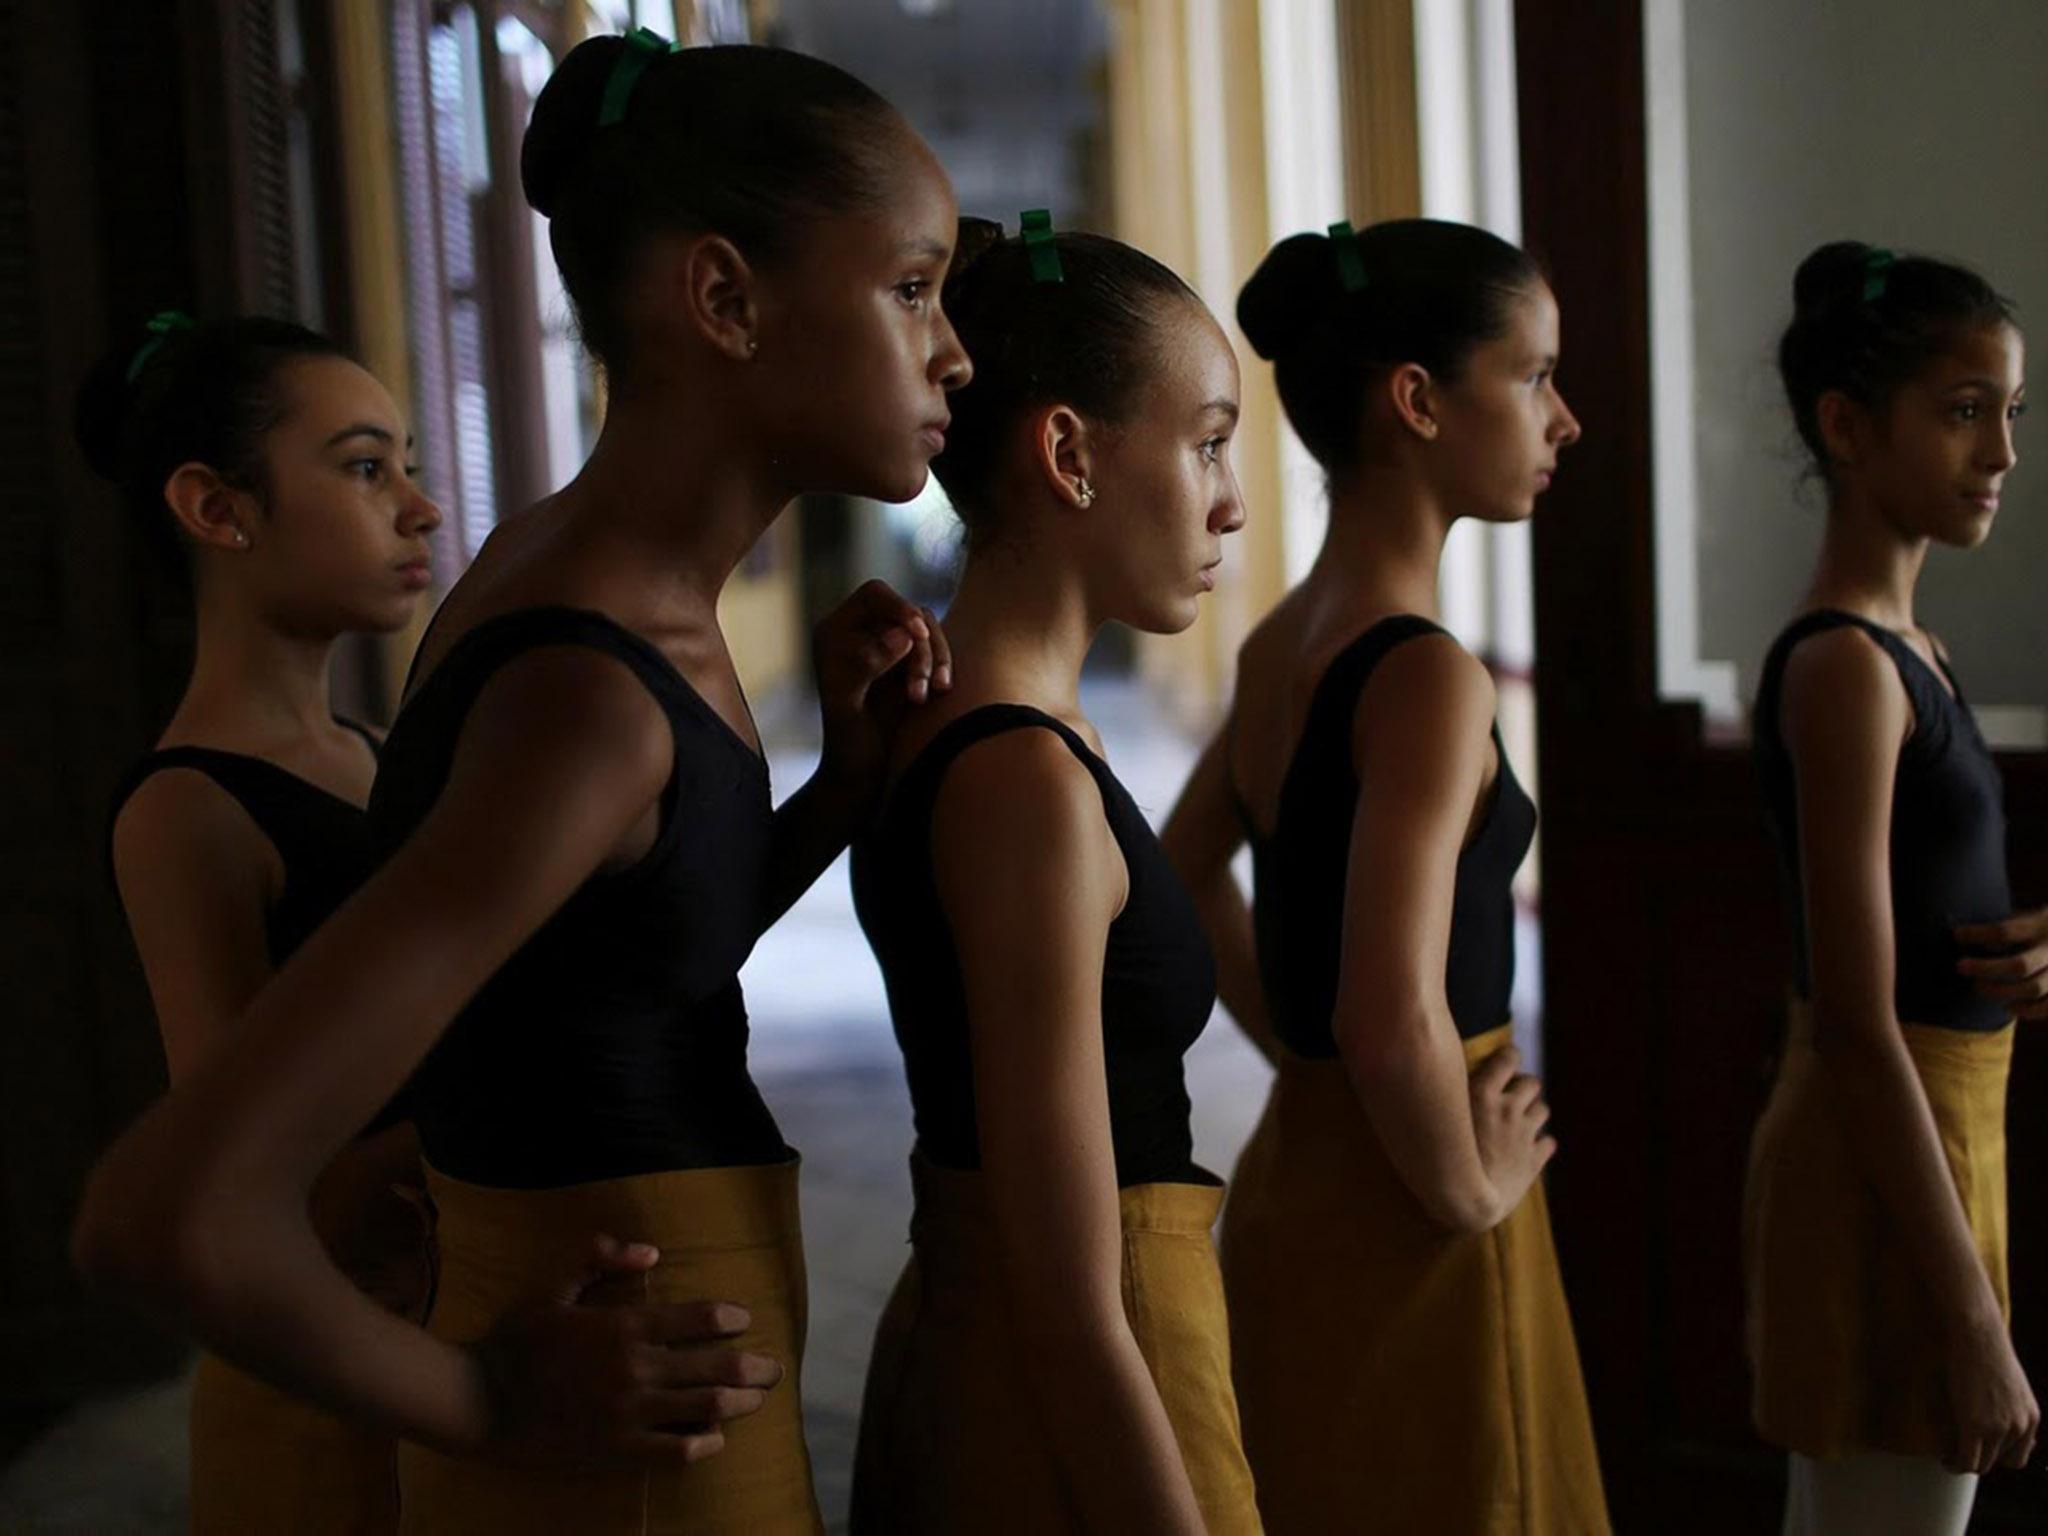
x: 1947, y: 830
x: 614, y: 1040
x: 322, y: 840
x: 1158, y: 977
x: 1299, y: 872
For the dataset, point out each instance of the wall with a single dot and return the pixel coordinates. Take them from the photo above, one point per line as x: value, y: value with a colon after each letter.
x: 1894, y: 121
x: 1191, y: 149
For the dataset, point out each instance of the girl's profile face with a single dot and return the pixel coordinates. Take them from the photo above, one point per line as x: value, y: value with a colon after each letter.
x: 1503, y: 422
x: 341, y: 544
x: 1938, y: 465
x: 1166, y: 494
x: 856, y: 357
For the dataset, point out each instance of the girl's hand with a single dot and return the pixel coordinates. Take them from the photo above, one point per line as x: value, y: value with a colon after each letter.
x: 2011, y: 965
x: 1993, y: 1415
x: 577, y: 1381
x: 876, y: 655
x: 1508, y: 1119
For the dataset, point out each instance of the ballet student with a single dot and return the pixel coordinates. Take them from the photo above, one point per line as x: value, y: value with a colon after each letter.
x: 270, y: 470
x: 581, y: 847
x: 1055, y: 1357
x: 1404, y: 1357
x: 1876, y: 1212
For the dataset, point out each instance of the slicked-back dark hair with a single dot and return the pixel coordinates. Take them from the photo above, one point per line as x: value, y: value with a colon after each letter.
x: 1431, y: 292
x: 1087, y: 341
x: 1867, y: 322
x: 207, y: 394
x: 741, y: 141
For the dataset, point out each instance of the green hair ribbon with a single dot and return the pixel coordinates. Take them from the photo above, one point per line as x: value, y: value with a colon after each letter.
x: 1350, y: 261
x: 1036, y: 228
x: 1877, y: 269
x: 643, y: 47
x: 161, y: 327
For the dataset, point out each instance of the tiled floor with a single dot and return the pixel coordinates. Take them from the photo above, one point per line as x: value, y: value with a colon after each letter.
x: 827, y: 1064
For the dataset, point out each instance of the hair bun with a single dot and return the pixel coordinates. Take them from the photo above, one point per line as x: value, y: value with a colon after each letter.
x: 1290, y: 292
x: 976, y: 238
x: 1831, y: 274
x: 564, y: 121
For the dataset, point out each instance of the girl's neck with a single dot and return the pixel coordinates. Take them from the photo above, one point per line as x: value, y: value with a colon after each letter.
x: 1383, y: 546
x: 1866, y: 565
x: 671, y: 496
x: 1020, y: 628
x: 253, y: 680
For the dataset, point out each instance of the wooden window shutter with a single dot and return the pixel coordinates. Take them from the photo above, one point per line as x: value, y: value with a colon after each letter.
x: 426, y: 280
x: 258, y: 136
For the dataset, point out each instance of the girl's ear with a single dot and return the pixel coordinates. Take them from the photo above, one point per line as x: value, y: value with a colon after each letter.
x: 1844, y: 426
x: 1062, y: 451
x: 209, y: 511
x: 718, y: 291
x: 1413, y: 394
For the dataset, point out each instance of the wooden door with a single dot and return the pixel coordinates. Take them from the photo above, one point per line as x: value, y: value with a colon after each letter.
x: 1665, y: 956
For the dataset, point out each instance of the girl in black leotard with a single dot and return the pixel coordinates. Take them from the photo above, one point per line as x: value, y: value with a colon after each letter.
x: 580, y: 845
x: 1054, y: 1358
x: 273, y: 470
x: 1405, y: 1360
x: 1876, y: 1203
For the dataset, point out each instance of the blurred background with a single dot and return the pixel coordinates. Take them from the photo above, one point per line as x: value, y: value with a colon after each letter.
x: 353, y: 163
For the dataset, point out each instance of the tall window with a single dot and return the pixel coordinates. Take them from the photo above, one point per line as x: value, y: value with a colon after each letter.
x: 462, y: 177
x: 437, y: 149
x: 568, y: 397
x: 505, y: 403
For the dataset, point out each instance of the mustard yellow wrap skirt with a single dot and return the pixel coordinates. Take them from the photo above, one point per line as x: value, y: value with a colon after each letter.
x: 263, y: 1460
x: 1839, y: 1338
x: 1395, y: 1377
x: 725, y: 1234
x: 949, y: 1444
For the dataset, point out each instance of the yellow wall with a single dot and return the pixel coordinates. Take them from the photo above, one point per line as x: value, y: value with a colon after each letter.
x: 1194, y: 195
x: 762, y: 616
x: 1188, y: 139
x: 1376, y: 63
x: 369, y: 168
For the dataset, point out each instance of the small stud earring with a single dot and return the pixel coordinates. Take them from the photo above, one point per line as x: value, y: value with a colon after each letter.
x: 753, y: 346
x: 241, y: 539
x: 1086, y: 492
